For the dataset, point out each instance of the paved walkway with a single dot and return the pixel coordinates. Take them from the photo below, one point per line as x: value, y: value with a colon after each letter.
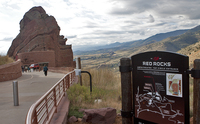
x: 31, y: 87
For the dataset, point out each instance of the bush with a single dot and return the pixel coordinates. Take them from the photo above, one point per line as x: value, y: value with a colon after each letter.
x: 79, y: 94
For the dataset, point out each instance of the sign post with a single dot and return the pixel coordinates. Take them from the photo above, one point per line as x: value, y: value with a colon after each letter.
x: 196, y: 93
x: 126, y: 112
x: 160, y: 88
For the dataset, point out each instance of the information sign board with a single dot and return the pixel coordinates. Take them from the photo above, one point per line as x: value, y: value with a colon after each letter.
x: 160, y: 88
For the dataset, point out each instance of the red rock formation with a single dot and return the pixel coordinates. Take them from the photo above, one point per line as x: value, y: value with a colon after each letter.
x: 99, y: 116
x: 40, y: 32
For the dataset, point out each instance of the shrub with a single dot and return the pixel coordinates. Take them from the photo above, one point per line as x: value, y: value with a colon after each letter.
x: 79, y: 94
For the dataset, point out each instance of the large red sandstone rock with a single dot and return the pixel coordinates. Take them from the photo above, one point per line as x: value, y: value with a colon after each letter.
x: 40, y: 32
x: 99, y: 116
x: 36, y: 29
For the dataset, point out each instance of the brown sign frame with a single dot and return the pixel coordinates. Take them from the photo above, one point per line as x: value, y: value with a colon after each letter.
x: 160, y: 88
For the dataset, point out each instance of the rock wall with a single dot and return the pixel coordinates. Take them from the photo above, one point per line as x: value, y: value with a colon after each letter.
x: 64, y: 58
x: 10, y: 71
x: 40, y: 32
x: 37, y: 57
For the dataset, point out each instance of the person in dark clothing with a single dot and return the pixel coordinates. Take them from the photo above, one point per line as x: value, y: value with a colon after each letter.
x: 29, y: 69
x: 22, y: 68
x: 45, y: 69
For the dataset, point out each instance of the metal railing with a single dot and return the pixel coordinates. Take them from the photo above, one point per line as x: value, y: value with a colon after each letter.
x: 41, y: 112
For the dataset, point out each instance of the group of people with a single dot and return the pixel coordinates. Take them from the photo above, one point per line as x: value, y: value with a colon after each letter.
x: 27, y: 69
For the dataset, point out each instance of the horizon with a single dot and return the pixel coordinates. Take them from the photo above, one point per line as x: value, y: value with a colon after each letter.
x: 85, y: 22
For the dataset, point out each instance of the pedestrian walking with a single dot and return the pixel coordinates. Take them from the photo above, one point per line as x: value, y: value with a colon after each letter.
x: 45, y: 69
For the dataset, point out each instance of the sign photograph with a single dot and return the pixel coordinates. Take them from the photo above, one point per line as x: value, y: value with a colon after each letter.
x: 160, y: 88
x: 174, y: 84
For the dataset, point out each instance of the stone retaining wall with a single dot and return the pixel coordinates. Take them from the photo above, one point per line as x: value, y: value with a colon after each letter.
x: 10, y: 71
x: 35, y: 57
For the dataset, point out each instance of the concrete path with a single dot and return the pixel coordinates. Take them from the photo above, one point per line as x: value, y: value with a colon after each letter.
x: 31, y: 87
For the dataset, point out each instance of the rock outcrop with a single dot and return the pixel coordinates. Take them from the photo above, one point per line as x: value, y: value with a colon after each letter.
x: 40, y: 32
x: 72, y: 119
x: 99, y: 116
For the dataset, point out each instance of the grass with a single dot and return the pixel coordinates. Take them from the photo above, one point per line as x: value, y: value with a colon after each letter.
x: 74, y: 111
x: 105, y: 86
x: 5, y: 60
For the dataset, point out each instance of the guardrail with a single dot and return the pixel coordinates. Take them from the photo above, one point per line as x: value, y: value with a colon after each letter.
x: 42, y: 110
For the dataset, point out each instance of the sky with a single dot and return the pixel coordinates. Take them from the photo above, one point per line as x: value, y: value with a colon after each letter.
x: 99, y: 22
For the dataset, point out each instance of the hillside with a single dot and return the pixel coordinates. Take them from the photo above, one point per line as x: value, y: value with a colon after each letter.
x: 193, y: 51
x: 111, y: 58
x: 85, y: 50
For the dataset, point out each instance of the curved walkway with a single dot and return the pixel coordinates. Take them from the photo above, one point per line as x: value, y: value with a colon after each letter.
x: 31, y: 87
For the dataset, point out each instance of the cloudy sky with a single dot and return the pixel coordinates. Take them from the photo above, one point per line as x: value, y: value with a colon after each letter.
x: 87, y: 22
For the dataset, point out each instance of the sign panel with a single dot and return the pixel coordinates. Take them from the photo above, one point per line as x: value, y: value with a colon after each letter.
x: 160, y: 88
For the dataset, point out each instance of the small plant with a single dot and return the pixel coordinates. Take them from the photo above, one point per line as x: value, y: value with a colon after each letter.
x: 74, y: 111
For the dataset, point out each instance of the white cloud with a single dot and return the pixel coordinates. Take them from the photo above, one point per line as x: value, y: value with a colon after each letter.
x: 4, y: 47
x: 103, y: 21
x: 151, y: 19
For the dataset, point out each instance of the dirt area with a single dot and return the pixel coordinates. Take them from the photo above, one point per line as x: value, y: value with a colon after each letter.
x: 118, y: 120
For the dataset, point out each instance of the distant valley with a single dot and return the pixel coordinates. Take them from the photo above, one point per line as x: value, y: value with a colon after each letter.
x: 186, y: 42
x: 93, y: 49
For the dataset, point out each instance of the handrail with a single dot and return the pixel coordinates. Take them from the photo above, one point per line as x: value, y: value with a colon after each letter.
x: 42, y: 110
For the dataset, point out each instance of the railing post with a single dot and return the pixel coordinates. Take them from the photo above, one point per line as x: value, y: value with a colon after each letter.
x: 74, y: 74
x: 46, y: 105
x: 64, y: 86
x: 68, y: 81
x: 35, y: 119
x: 70, y: 78
x: 55, y: 100
x: 59, y: 90
x: 126, y: 90
x: 196, y: 95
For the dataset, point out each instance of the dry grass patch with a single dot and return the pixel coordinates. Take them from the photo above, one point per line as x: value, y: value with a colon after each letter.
x: 106, y: 91
x: 5, y: 60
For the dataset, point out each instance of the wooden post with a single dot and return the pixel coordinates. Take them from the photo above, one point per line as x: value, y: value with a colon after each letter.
x: 196, y: 95
x: 126, y: 90
x: 78, y: 66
